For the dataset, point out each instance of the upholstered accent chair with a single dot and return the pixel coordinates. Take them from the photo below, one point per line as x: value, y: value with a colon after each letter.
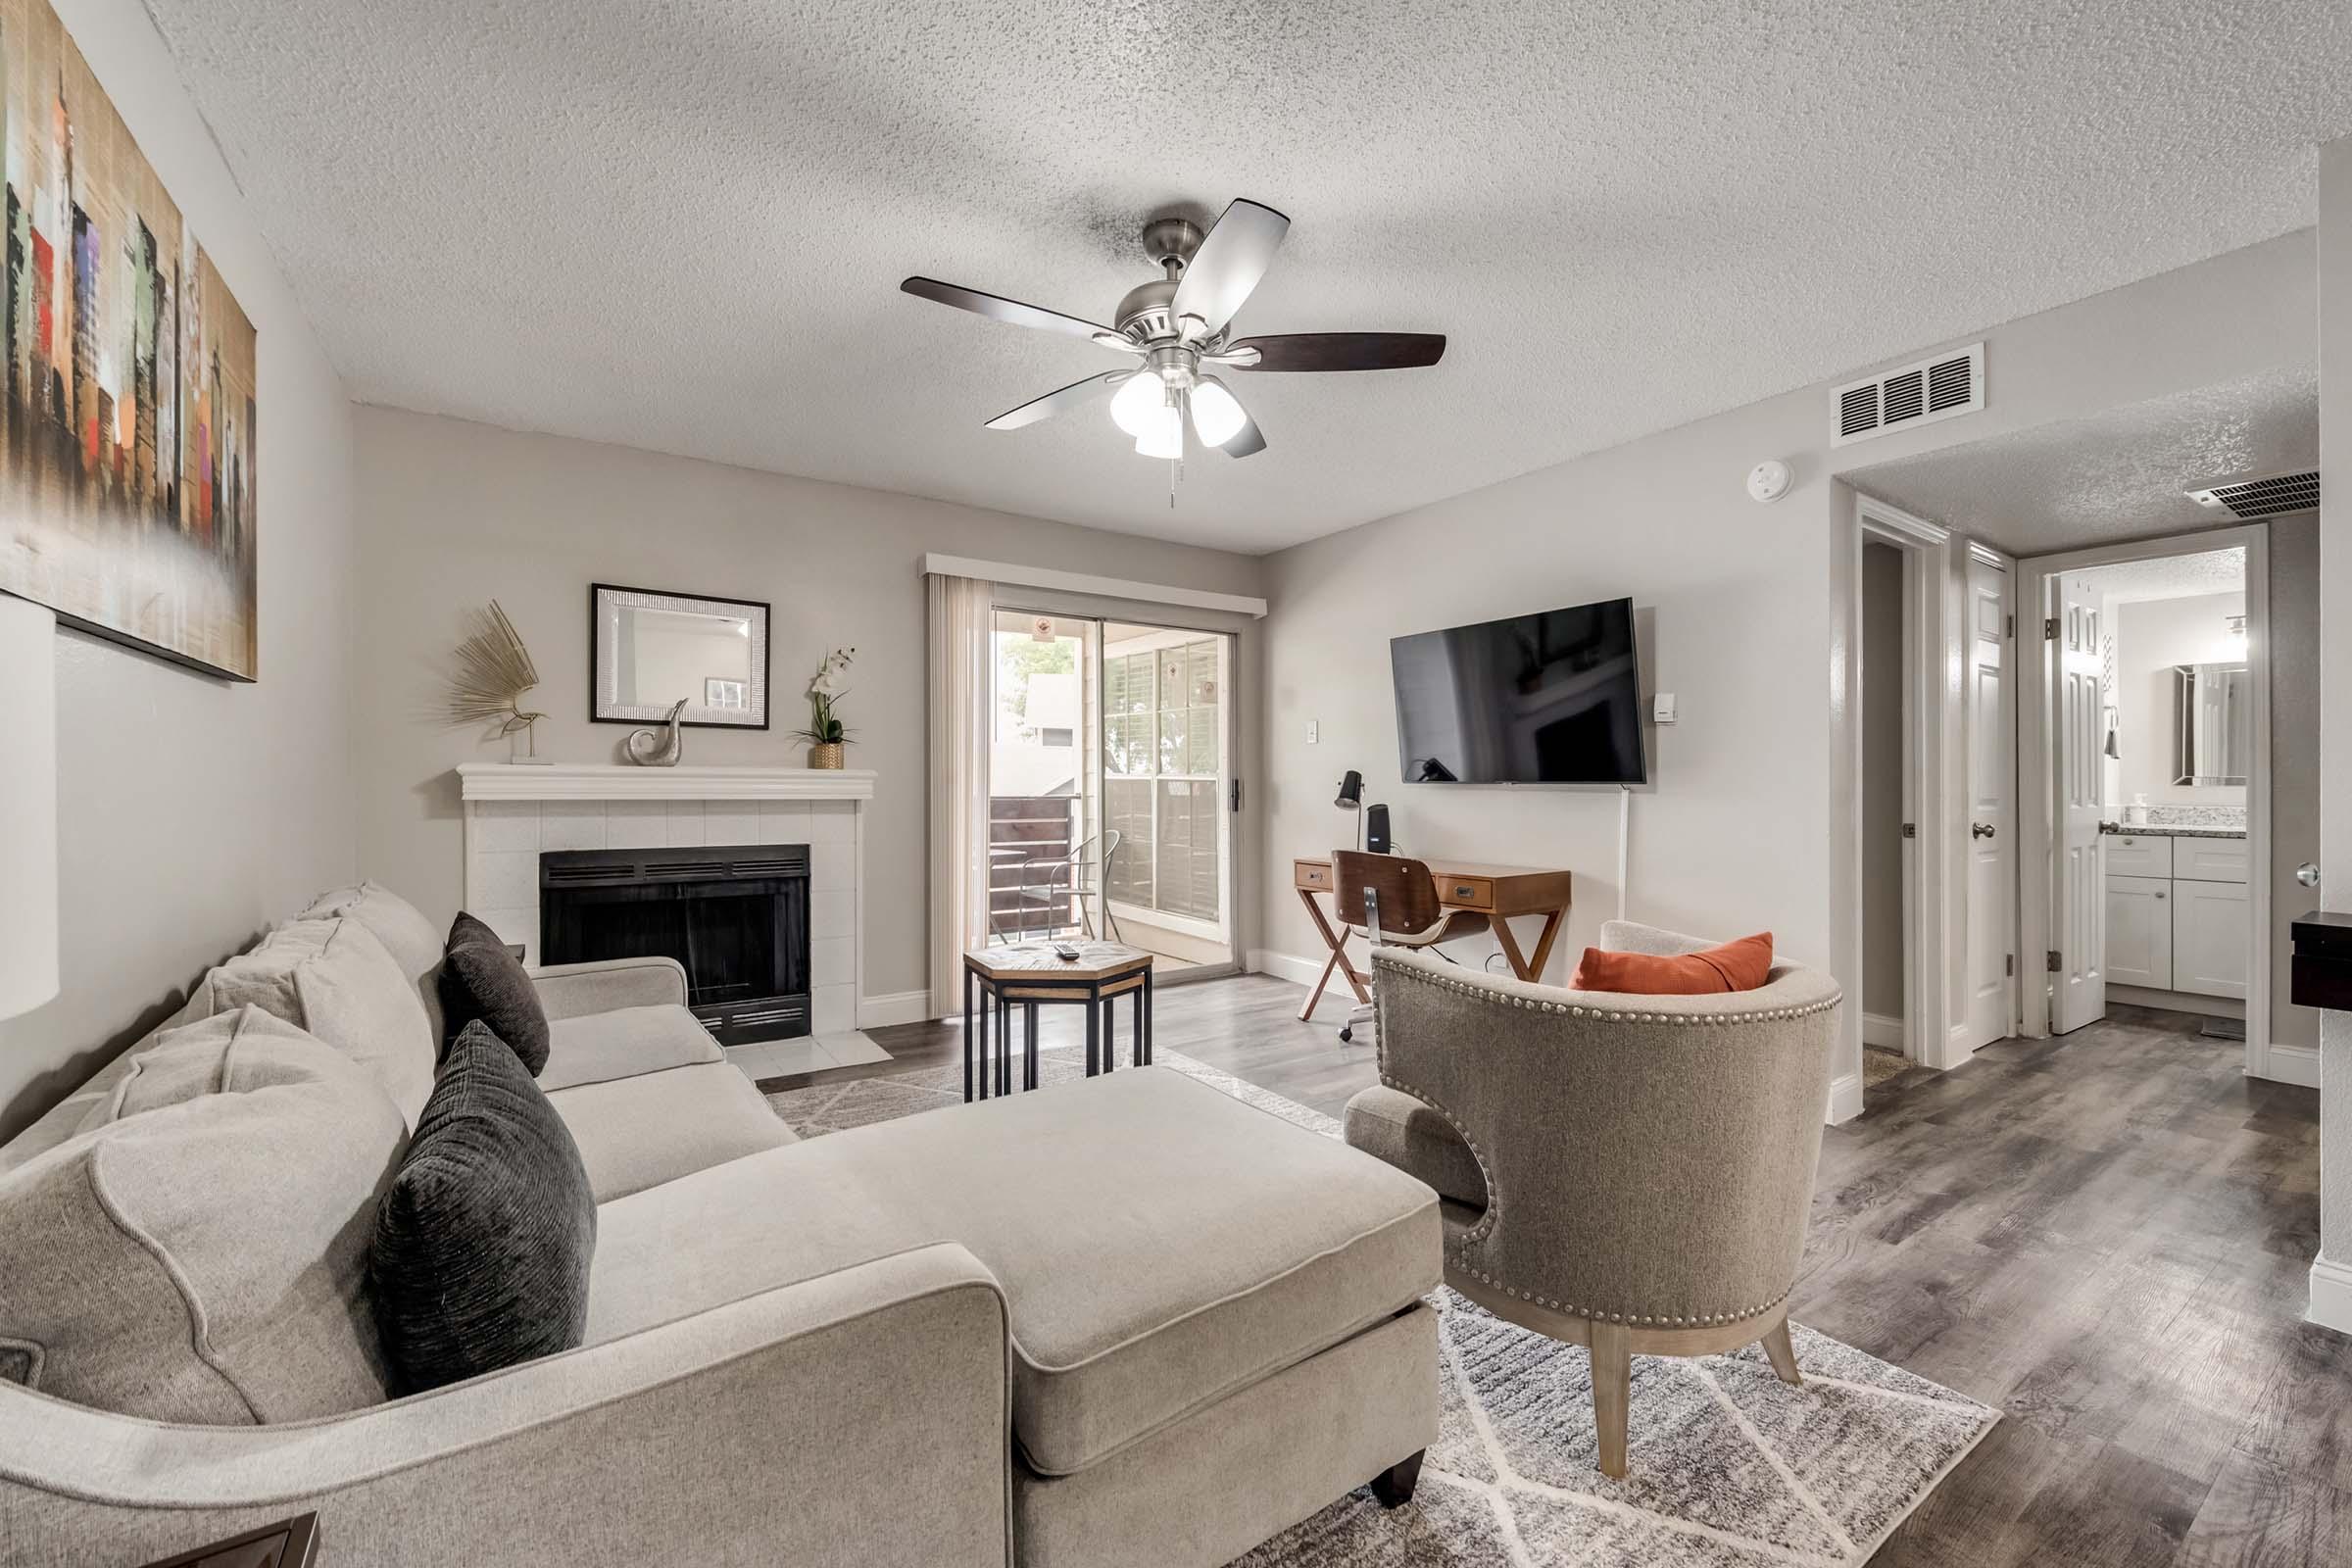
x: 1628, y: 1173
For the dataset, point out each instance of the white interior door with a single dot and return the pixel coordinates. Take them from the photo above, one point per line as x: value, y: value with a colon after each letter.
x: 2079, y: 908
x: 1986, y: 1003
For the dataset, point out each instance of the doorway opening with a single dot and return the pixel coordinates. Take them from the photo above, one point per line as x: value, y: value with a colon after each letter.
x: 1109, y: 788
x: 2150, y: 721
x: 1889, y: 835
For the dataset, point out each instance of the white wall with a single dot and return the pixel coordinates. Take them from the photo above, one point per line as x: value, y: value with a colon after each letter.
x: 454, y: 514
x: 2151, y: 636
x: 2332, y: 1295
x: 1745, y: 614
x: 194, y: 811
x: 1883, y: 780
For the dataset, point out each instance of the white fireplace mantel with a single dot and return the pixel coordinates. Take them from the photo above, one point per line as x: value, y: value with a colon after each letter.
x: 609, y: 781
x: 515, y: 812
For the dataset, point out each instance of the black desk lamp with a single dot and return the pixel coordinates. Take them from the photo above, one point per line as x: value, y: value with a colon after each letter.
x: 1371, y: 820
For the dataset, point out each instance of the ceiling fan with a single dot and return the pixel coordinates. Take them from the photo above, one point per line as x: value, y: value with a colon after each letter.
x: 1179, y: 327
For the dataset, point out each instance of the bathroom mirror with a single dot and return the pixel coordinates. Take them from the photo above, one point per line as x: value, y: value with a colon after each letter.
x: 649, y: 648
x: 2213, y: 723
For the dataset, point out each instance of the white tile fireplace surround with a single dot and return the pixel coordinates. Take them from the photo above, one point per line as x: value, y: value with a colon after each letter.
x: 514, y: 811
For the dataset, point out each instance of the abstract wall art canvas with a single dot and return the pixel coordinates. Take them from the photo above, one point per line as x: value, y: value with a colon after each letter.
x: 126, y: 421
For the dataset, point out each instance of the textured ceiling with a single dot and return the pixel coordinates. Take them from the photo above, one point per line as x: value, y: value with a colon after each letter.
x: 680, y: 224
x: 2215, y: 571
x: 2121, y: 474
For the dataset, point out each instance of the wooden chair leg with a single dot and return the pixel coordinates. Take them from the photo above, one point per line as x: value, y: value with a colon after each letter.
x: 1612, y: 1384
x: 1393, y: 1486
x: 1781, y: 1353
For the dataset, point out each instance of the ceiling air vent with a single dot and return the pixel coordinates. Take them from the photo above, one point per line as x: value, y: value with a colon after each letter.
x: 1917, y: 394
x: 2268, y: 495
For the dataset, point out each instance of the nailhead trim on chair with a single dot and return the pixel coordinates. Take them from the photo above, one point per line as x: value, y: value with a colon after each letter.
x: 1605, y: 1014
x: 1486, y: 1224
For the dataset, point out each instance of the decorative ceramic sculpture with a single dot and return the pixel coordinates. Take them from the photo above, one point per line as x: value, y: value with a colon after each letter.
x: 655, y: 748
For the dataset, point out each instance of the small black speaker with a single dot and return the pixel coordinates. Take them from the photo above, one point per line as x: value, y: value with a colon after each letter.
x: 1376, y: 829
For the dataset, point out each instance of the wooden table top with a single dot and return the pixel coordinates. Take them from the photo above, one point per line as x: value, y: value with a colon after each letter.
x: 1096, y: 960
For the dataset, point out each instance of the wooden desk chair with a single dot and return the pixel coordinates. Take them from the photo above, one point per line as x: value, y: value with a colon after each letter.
x: 1393, y: 902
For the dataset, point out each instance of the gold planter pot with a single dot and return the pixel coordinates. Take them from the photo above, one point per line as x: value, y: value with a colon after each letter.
x: 831, y: 755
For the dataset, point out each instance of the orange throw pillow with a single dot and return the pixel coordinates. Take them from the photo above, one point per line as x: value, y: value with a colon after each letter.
x: 1741, y: 966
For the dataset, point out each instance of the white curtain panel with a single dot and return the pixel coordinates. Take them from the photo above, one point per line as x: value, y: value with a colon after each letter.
x: 961, y: 612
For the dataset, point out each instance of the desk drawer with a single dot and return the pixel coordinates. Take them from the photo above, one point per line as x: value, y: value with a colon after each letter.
x: 1466, y: 892
x: 1314, y: 874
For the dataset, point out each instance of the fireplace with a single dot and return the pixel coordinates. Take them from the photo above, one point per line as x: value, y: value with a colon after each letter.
x: 736, y: 916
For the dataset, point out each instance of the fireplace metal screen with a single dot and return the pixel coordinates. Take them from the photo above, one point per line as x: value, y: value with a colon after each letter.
x: 736, y: 917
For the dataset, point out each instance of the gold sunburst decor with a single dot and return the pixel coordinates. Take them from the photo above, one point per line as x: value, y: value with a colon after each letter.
x: 493, y: 673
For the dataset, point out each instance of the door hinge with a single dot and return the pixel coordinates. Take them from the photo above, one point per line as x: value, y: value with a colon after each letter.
x: 1237, y: 795
x: 2054, y: 965
x: 2008, y: 963
x: 1910, y: 830
x: 2012, y: 625
x: 2049, y: 629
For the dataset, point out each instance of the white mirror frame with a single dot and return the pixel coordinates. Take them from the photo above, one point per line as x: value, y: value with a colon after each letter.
x: 605, y: 602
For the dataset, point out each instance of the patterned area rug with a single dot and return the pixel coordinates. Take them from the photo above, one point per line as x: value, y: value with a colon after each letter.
x: 1729, y: 1465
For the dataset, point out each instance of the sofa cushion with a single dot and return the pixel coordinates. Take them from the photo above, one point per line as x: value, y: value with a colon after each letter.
x: 333, y: 979
x: 1391, y: 1125
x: 481, y: 1247
x: 599, y: 1047
x: 199, y: 1255
x: 639, y: 1132
x: 481, y: 980
x: 1159, y: 1244
x: 414, y: 941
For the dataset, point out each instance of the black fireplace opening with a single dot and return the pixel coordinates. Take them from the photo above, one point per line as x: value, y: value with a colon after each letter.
x: 736, y: 917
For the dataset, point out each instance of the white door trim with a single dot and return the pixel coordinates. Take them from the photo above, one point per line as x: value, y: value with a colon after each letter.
x: 2036, y: 764
x: 1932, y: 750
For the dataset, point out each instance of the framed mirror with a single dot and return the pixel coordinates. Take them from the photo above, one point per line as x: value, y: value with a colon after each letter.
x: 2213, y: 723
x: 649, y: 648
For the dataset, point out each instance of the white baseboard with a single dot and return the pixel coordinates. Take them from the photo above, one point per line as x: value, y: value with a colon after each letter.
x: 2330, y: 1295
x: 1878, y: 1029
x: 1287, y: 967
x: 2292, y: 1064
x: 1845, y: 1098
x: 899, y: 1006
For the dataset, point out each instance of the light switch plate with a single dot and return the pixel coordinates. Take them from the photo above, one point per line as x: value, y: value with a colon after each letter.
x: 1312, y: 732
x: 1661, y: 708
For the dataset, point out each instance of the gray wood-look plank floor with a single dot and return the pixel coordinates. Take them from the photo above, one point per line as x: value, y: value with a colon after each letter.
x: 2106, y: 1235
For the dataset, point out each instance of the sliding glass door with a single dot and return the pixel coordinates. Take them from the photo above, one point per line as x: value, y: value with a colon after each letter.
x: 1111, y: 787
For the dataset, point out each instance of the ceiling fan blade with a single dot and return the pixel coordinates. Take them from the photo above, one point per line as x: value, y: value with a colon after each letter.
x: 1054, y: 401
x: 1342, y: 351
x: 1239, y: 249
x: 1247, y: 442
x: 997, y: 307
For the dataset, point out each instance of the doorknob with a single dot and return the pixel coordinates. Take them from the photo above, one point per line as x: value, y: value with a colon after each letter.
x: 1982, y: 830
x: 2308, y: 874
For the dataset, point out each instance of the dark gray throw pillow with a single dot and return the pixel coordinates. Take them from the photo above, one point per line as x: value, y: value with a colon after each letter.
x: 482, y: 1242
x: 481, y: 979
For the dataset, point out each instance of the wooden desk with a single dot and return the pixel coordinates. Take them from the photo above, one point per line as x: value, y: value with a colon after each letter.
x: 1496, y: 890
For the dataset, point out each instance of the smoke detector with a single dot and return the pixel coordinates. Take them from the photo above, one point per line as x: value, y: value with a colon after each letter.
x: 2253, y: 496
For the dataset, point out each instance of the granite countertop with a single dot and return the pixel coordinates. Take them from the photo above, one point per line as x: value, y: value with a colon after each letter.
x: 2172, y: 830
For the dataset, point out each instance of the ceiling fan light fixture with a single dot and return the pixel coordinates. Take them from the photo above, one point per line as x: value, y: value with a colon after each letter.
x: 1164, y: 436
x: 1139, y: 404
x: 1216, y: 413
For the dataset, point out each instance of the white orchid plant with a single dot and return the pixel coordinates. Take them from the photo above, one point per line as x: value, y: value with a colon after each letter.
x: 823, y: 687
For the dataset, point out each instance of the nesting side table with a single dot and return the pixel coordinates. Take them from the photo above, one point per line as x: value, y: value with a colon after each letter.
x: 1032, y: 975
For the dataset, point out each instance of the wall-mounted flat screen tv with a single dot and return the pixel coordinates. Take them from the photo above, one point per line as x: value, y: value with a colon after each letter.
x: 1550, y: 699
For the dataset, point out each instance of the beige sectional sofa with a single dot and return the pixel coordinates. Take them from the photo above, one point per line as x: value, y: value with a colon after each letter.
x: 1124, y: 1321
